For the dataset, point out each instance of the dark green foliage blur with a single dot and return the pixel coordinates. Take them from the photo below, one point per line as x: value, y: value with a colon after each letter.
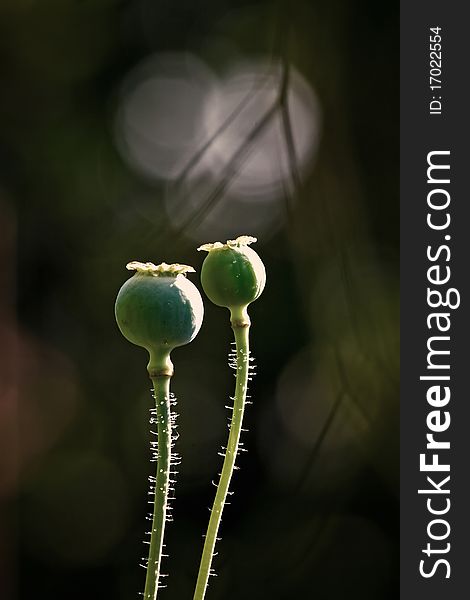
x: 315, y: 508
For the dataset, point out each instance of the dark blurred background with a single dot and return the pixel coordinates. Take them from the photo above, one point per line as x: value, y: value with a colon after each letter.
x: 137, y: 130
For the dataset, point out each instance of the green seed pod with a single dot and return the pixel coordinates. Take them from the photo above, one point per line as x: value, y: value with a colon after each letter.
x: 233, y: 276
x: 159, y: 309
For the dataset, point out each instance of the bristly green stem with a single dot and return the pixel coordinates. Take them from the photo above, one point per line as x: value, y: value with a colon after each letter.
x: 241, y: 331
x: 161, y: 386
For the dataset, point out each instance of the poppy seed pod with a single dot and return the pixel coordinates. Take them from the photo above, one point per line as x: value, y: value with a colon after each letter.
x: 159, y: 309
x: 233, y: 276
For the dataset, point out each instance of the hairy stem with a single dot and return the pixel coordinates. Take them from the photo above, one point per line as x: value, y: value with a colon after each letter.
x: 243, y: 362
x: 161, y: 386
